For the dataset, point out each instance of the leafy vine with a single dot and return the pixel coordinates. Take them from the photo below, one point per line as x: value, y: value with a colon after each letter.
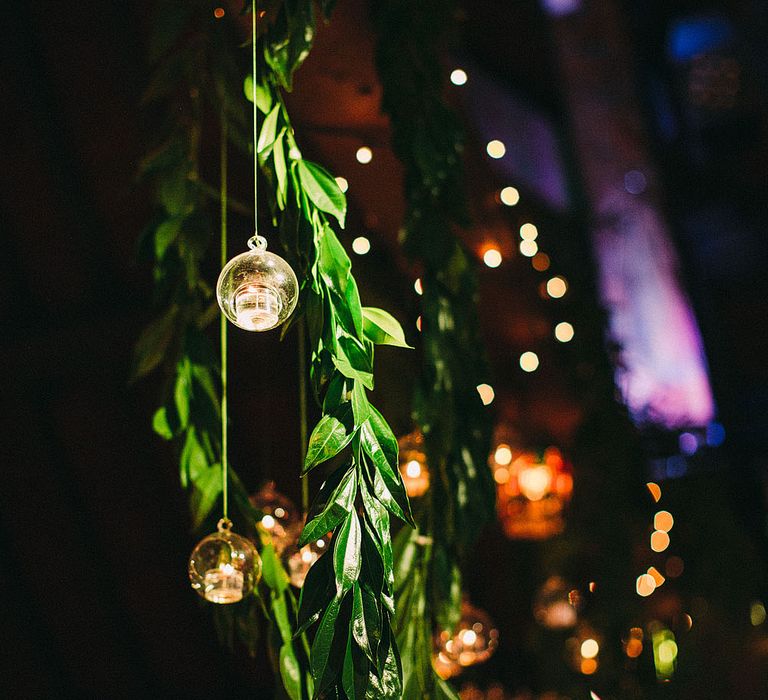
x: 428, y: 140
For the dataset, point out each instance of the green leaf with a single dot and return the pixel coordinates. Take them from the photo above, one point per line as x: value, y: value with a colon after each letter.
x: 288, y: 42
x: 346, y: 553
x: 319, y: 587
x: 153, y: 343
x: 268, y: 131
x: 359, y: 624
x: 328, y: 439
x: 353, y: 361
x: 161, y: 426
x: 339, y: 504
x: 263, y: 94
x: 361, y: 408
x: 281, y: 173
x: 354, y: 676
x: 382, y: 328
x: 193, y: 460
x: 273, y: 571
x: 321, y: 646
x: 166, y: 234
x: 322, y: 190
x: 290, y: 672
x: 207, y: 488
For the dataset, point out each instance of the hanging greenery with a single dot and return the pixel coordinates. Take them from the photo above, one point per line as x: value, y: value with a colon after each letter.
x: 427, y: 138
x: 349, y: 593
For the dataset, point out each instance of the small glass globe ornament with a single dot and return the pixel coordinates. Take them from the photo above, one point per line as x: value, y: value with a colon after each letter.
x: 224, y: 567
x: 474, y: 640
x: 413, y: 464
x: 299, y: 560
x: 257, y: 290
x: 557, y: 604
x: 280, y: 515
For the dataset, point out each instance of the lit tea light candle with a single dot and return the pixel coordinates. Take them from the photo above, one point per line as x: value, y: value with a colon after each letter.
x: 535, y: 481
x: 223, y: 584
x: 257, y: 308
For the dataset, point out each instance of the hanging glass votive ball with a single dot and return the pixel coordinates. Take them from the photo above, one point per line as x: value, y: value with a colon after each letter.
x: 299, y: 560
x: 280, y: 515
x: 413, y: 464
x: 257, y: 290
x: 474, y: 640
x: 224, y: 567
x: 557, y: 604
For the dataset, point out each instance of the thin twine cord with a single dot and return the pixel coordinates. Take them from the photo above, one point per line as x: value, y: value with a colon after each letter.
x: 223, y: 320
x: 255, y: 130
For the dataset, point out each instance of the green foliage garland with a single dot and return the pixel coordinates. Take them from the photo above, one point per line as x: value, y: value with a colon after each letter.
x: 447, y: 408
x: 349, y: 593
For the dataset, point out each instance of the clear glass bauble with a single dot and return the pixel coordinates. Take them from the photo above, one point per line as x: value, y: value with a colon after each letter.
x: 299, y: 560
x: 224, y: 567
x: 473, y: 641
x: 257, y: 290
x: 280, y: 515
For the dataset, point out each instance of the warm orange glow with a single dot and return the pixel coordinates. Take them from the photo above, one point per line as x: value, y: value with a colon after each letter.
x: 634, y: 648
x: 535, y: 482
x: 503, y: 454
x: 501, y: 475
x: 588, y: 666
x: 364, y: 155
x: 418, y: 323
x: 655, y: 490
x: 589, y: 648
x: 413, y: 464
x: 509, y: 196
x: 540, y: 261
x: 645, y: 585
x: 492, y: 257
x: 557, y: 287
x: 657, y: 577
x: 418, y: 287
x: 663, y: 520
x: 529, y: 361
x: 592, y: 586
x: 218, y: 13
x: 486, y: 393
x: 659, y: 541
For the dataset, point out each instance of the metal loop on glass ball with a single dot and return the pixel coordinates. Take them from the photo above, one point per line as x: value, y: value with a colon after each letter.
x: 224, y: 525
x: 257, y: 290
x: 257, y: 242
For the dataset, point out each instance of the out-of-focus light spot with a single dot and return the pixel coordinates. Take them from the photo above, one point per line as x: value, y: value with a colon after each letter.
x: 218, y: 13
x: 503, y: 455
x: 757, y: 613
x: 634, y: 648
x: 589, y: 648
x: 279, y: 512
x: 667, y: 651
x: 655, y: 490
x: 492, y: 257
x: 417, y: 287
x: 529, y: 248
x: 535, y: 482
x: 659, y: 541
x: 588, y: 666
x: 501, y: 475
x: 593, y: 695
x: 413, y: 469
x: 592, y: 586
x: 574, y: 598
x: 557, y: 287
x: 361, y: 245
x: 715, y: 434
x: 635, y: 182
x: 509, y: 196
x: 564, y: 332
x: 688, y: 443
x: 418, y: 324
x: 561, y: 8
x: 656, y: 574
x: 645, y: 585
x: 528, y: 232
x: 496, y: 149
x: 529, y: 361
x: 342, y: 183
x: 486, y: 393
x: 268, y: 522
x: 540, y: 262
x: 663, y: 520
x: 458, y: 76
x: 674, y: 567
x: 687, y: 621
x: 364, y: 155
x: 676, y: 466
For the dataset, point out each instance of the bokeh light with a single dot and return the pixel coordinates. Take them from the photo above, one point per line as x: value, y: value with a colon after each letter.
x: 509, y: 196
x: 564, y: 332
x: 659, y: 541
x: 492, y: 257
x: 361, y: 245
x: 529, y: 232
x: 458, y: 76
x: 364, y: 155
x: 663, y: 520
x: 529, y: 361
x: 342, y: 183
x: 557, y: 287
x: 496, y: 149
x: 529, y: 248
x: 540, y: 262
x: 486, y: 393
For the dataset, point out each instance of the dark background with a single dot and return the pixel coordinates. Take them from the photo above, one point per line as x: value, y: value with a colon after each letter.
x: 94, y: 530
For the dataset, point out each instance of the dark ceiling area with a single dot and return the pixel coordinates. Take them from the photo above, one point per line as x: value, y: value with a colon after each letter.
x: 94, y: 528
